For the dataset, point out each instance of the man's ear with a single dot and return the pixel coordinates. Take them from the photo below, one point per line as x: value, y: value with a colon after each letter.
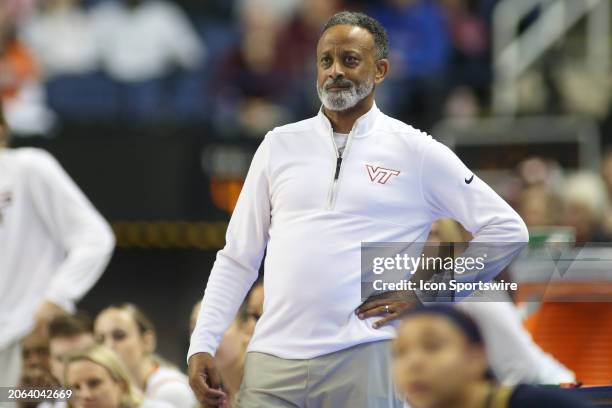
x: 382, y: 69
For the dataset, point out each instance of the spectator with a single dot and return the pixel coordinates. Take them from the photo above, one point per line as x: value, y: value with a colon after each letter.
x: 585, y: 202
x: 281, y: 10
x: 470, y: 45
x: 20, y: 90
x: 126, y: 330
x: 68, y: 334
x: 539, y: 207
x: 440, y: 361
x: 253, y: 86
x: 99, y: 378
x: 62, y: 39
x: 142, y: 40
x: 36, y: 368
x: 420, y: 51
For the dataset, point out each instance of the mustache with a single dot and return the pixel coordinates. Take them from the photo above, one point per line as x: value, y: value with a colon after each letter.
x: 338, y: 82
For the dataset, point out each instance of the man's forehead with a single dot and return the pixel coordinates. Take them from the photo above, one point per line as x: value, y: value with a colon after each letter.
x: 346, y: 36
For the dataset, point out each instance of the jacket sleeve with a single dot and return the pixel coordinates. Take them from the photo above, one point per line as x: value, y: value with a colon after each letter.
x: 451, y: 190
x: 237, y: 264
x: 74, y: 224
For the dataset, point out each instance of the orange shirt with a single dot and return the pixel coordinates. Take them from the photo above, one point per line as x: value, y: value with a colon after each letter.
x: 16, y: 67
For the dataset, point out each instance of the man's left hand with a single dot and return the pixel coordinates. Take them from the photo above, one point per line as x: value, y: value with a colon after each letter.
x: 391, y: 305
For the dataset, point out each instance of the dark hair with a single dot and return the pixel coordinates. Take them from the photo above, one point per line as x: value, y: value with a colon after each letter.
x: 143, y: 322
x: 381, y: 42
x: 70, y: 325
x: 460, y: 320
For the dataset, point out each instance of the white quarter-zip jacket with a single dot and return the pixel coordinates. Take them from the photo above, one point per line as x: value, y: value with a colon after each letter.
x: 311, y: 209
x: 54, y: 245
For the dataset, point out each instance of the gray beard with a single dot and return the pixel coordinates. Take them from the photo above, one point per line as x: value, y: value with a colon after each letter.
x: 345, y: 99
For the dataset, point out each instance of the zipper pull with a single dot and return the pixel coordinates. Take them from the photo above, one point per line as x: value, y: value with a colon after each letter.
x: 338, y: 164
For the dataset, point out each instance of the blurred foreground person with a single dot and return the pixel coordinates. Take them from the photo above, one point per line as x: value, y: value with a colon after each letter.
x: 513, y: 355
x: 99, y: 379
x: 440, y: 362
x: 54, y: 246
x: 131, y: 334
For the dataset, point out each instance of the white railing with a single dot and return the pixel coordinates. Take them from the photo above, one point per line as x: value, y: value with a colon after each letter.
x: 514, y: 53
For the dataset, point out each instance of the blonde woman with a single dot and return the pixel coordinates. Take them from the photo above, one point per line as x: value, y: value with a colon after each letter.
x: 131, y: 334
x: 99, y: 379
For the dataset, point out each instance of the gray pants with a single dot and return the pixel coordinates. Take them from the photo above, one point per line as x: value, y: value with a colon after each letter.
x: 356, y: 377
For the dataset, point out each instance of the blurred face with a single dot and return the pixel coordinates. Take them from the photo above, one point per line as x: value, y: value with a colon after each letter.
x: 35, y: 351
x: 117, y: 330
x: 536, y: 207
x: 434, y: 362
x: 347, y: 68
x: 61, y: 347
x: 581, y: 218
x: 254, y: 309
x: 93, y: 385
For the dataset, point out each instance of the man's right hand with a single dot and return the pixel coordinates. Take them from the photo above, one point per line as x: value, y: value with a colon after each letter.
x: 205, y: 380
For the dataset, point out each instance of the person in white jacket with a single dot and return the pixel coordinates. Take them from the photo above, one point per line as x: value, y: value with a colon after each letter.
x: 316, y: 190
x: 54, y: 246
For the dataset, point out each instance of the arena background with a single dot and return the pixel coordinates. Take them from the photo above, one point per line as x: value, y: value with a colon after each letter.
x: 163, y: 158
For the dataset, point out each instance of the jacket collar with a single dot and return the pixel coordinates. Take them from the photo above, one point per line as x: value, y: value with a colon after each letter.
x: 362, y: 127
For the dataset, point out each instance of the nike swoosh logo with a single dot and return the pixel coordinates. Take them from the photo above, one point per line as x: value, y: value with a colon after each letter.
x: 468, y: 181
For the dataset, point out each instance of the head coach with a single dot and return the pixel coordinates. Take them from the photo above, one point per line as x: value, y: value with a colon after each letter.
x: 315, y: 190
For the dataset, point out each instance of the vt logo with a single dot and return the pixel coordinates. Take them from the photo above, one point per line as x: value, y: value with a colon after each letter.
x: 380, y: 174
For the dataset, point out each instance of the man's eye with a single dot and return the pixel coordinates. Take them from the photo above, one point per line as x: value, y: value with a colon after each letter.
x: 325, y: 61
x: 351, y: 60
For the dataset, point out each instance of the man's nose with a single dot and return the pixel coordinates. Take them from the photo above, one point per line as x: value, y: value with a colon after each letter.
x: 336, y: 70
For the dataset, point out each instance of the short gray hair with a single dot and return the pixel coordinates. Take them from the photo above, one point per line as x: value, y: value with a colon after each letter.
x: 373, y: 26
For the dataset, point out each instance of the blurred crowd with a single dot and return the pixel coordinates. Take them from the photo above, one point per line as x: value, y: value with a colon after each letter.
x: 548, y: 197
x: 245, y: 65
x: 111, y: 360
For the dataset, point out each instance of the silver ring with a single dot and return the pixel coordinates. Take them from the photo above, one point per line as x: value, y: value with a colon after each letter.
x: 387, y: 308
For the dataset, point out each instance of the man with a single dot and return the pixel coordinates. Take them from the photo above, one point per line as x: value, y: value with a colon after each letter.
x: 44, y: 356
x: 53, y: 247
x: 314, y: 192
x: 68, y: 334
x: 36, y: 368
